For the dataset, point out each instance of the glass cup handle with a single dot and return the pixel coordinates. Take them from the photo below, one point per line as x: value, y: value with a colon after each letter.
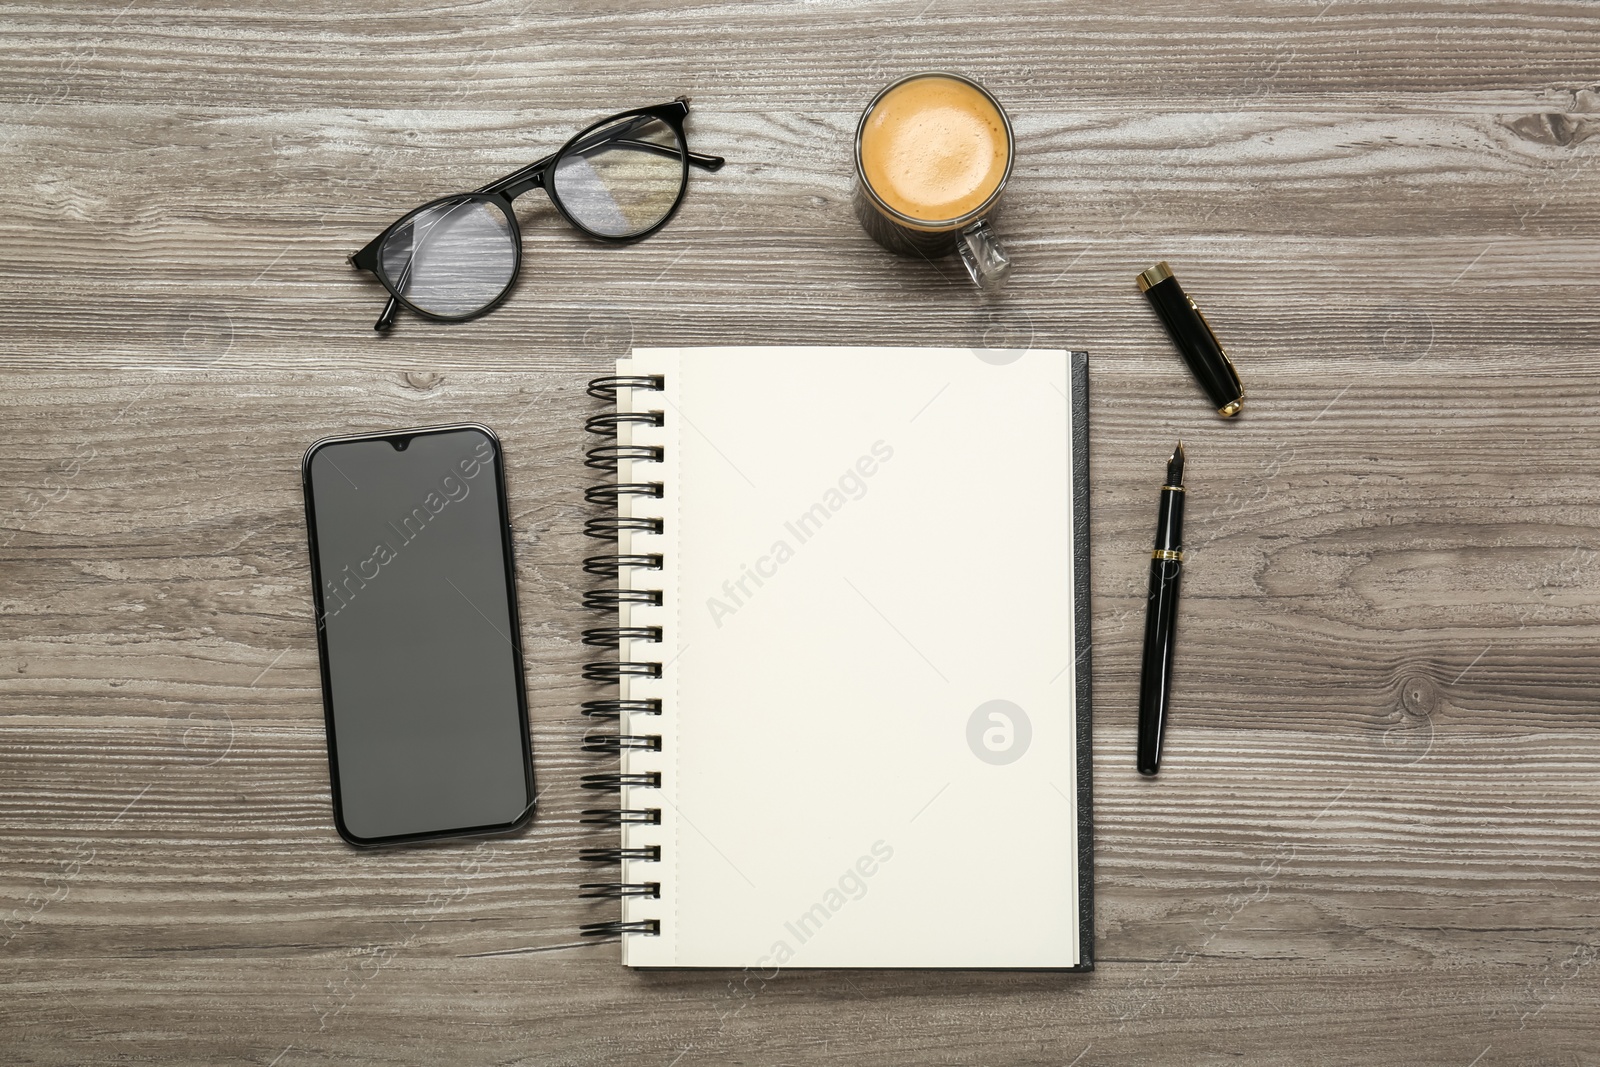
x: 986, y: 262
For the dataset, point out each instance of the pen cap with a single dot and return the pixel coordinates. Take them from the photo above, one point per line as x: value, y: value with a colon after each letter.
x: 1207, y: 360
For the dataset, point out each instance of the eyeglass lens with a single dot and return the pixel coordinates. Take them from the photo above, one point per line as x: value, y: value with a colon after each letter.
x: 451, y: 258
x: 621, y: 179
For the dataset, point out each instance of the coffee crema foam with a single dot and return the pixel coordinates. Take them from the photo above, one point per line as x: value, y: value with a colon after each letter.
x: 934, y: 149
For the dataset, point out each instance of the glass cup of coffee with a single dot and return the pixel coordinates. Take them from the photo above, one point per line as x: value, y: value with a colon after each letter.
x: 933, y: 152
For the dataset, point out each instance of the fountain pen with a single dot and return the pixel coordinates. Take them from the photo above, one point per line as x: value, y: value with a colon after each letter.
x: 1166, y: 569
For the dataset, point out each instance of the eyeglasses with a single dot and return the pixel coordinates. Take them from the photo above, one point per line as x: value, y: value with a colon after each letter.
x: 618, y: 180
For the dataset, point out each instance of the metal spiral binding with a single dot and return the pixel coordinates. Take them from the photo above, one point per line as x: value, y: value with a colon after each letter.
x: 610, y: 456
x: 616, y: 781
x: 621, y: 816
x: 613, y: 744
x: 616, y: 854
x: 617, y: 928
x: 614, y: 671
x: 606, y: 388
x: 617, y: 890
x: 613, y: 636
x: 606, y: 527
x: 611, y: 599
x: 611, y: 492
x: 610, y: 566
x: 612, y: 708
x: 606, y: 424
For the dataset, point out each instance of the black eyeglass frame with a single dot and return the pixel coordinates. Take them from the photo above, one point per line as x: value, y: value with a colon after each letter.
x: 535, y: 175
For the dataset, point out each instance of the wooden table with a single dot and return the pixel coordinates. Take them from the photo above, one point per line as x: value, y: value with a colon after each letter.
x: 1375, y: 840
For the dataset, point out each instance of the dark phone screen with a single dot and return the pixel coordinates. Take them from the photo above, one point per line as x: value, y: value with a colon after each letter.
x: 427, y: 724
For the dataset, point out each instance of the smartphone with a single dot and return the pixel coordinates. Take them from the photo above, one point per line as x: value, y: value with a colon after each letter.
x: 416, y: 607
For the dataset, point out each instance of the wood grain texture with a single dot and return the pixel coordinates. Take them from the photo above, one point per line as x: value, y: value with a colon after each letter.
x: 1374, y: 839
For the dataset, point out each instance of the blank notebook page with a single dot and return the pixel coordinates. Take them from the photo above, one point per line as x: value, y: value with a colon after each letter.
x: 868, y: 753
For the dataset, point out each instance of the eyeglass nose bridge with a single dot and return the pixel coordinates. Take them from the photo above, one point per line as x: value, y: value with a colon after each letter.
x: 533, y: 181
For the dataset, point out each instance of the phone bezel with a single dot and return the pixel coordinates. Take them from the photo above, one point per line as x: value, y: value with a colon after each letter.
x: 509, y: 563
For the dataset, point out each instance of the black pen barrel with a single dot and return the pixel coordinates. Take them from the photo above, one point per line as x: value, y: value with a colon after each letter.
x: 1156, y: 675
x: 1160, y: 627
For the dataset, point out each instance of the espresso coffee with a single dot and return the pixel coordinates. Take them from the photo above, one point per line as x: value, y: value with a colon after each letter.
x: 934, y: 148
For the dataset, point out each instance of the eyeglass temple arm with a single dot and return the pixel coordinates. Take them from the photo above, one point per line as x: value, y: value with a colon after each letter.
x: 704, y: 162
x: 518, y: 182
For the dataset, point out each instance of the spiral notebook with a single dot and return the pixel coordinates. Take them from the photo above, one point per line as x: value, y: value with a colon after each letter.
x: 849, y: 703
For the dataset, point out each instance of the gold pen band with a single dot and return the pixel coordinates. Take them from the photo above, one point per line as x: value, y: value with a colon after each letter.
x: 1154, y: 276
x: 1167, y: 554
x: 1174, y: 488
